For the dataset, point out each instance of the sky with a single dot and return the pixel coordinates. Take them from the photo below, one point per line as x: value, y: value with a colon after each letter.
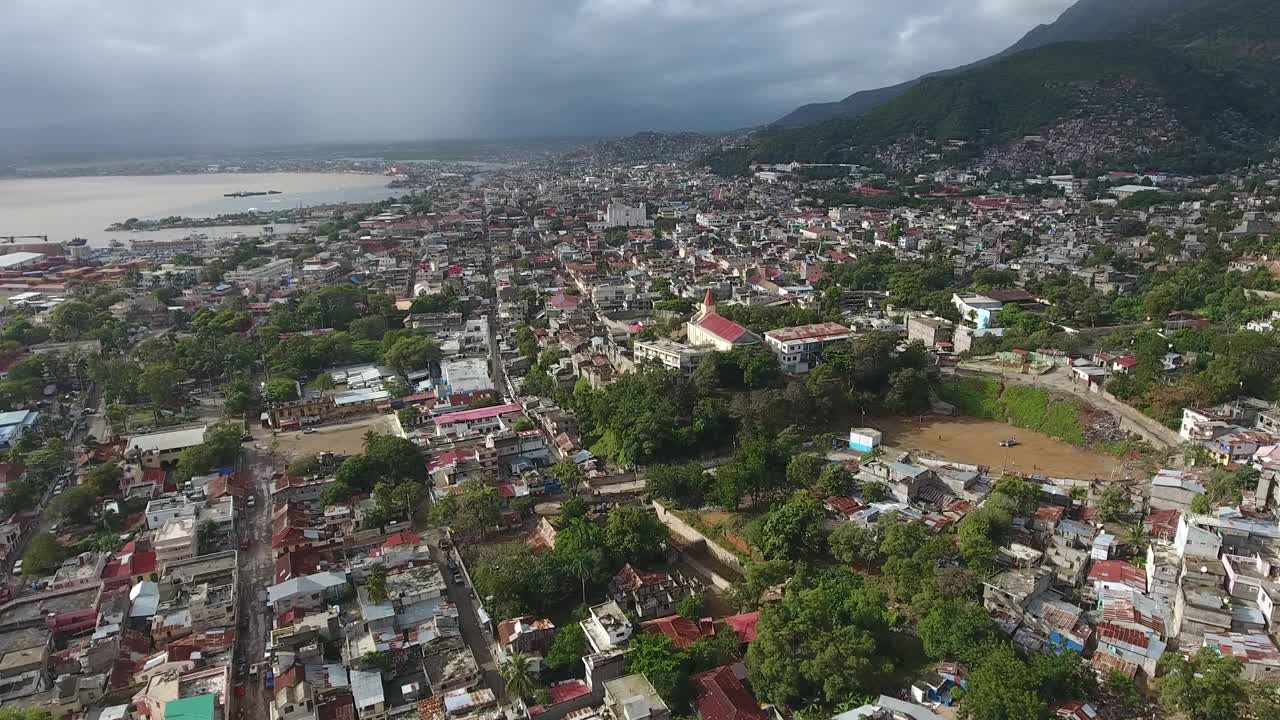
x: 128, y: 72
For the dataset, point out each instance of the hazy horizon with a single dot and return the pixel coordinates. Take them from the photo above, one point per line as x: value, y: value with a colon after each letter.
x: 87, y: 75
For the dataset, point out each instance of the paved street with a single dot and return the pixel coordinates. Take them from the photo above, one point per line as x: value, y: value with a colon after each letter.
x: 476, y: 637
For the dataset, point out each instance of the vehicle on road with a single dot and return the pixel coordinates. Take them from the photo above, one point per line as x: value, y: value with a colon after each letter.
x: 457, y: 577
x: 1008, y: 443
x: 269, y: 680
x: 308, y: 431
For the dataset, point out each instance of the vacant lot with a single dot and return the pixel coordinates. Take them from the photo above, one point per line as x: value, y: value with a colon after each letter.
x: 977, y: 442
x: 344, y: 439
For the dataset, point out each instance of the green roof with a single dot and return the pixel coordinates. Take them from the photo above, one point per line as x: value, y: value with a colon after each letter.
x: 198, y: 707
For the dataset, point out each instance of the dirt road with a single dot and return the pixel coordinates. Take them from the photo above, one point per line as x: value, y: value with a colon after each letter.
x: 256, y: 573
x: 977, y: 442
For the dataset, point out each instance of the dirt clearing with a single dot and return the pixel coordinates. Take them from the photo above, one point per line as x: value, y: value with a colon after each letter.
x: 977, y: 442
x: 344, y: 439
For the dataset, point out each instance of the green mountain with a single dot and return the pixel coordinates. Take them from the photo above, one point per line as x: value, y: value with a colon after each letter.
x: 1191, y: 90
x: 1085, y: 21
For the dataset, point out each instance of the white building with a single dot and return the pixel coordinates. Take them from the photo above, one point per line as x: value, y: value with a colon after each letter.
x: 721, y: 333
x: 976, y: 309
x: 161, y: 510
x: 671, y: 355
x: 465, y: 375
x: 618, y: 214
x: 800, y: 348
x: 160, y: 448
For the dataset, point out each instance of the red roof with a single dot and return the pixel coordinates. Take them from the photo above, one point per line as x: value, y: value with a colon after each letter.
x: 1118, y: 571
x: 401, y: 538
x: 1127, y: 361
x: 722, y: 327
x: 1109, y: 633
x: 561, y: 300
x: 744, y: 625
x: 721, y: 696
x: 566, y: 691
x: 682, y: 631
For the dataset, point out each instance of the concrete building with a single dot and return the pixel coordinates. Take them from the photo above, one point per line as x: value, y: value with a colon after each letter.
x: 799, y: 349
x: 162, y: 448
x: 671, y: 355
x: 932, y: 331
x: 618, y: 214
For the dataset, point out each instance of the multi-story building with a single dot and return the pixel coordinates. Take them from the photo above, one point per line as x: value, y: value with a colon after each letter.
x: 163, y: 448
x: 932, y: 331
x: 672, y: 355
x: 618, y: 214
x: 800, y: 348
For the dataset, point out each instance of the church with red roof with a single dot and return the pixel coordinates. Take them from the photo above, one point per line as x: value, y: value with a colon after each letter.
x: 709, y: 328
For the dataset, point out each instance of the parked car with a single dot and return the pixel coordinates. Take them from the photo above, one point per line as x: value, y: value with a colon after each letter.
x: 457, y: 577
x: 308, y: 431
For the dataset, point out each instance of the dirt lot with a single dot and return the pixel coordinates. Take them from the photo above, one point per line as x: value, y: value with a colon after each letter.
x: 977, y: 442
x: 729, y: 522
x: 346, y: 438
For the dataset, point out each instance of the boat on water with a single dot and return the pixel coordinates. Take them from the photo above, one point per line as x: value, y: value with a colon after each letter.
x: 251, y: 193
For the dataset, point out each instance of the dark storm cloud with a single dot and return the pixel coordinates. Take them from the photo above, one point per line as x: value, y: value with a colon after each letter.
x: 300, y: 70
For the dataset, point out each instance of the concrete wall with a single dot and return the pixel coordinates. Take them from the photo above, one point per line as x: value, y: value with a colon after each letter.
x: 690, y: 533
x: 1144, y: 427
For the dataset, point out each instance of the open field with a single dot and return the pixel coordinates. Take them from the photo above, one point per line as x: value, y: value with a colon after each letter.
x: 344, y: 439
x: 977, y: 442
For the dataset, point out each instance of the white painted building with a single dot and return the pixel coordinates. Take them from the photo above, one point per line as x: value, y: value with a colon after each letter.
x: 800, y: 348
x: 618, y: 214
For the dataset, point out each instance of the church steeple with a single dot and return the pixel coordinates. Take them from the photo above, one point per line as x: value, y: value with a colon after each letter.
x: 708, y: 304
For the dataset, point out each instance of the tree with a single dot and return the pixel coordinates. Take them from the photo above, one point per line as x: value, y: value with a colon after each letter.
x: 874, y: 491
x: 304, y: 465
x: 657, y: 658
x: 411, y: 352
x: 43, y: 555
x: 759, y: 578
x: 1024, y: 495
x: 518, y: 676
x: 836, y: 479
x: 804, y: 471
x: 854, y: 544
x: 378, y: 660
x: 956, y: 629
x: 1002, y: 687
x: 826, y: 640
x: 692, y: 607
x: 71, y: 320
x: 75, y: 504
x: 477, y: 507
x: 567, y: 647
x: 578, y: 550
x: 796, y: 530
x: 160, y: 383
x: 569, y: 474
x: 376, y: 583
x: 396, y: 458
x: 632, y: 534
x: 206, y: 536
x: 908, y: 391
x: 280, y: 389
x: 1113, y: 503
x: 1206, y: 687
x: 685, y: 484
x: 397, y: 387
x: 398, y: 501
x: 979, y: 536
x: 104, y: 479
x: 1063, y: 676
x: 324, y: 382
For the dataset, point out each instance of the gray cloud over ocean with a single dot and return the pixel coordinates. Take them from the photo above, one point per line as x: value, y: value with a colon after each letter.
x: 205, y: 72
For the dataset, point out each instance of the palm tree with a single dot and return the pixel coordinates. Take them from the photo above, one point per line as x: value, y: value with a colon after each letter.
x: 519, y: 678
x: 1136, y: 536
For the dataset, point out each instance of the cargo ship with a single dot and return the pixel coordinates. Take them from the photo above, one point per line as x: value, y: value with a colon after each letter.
x: 251, y: 193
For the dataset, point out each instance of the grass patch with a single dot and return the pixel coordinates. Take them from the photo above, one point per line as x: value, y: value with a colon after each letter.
x: 1035, y: 409
x: 974, y: 397
x: 1030, y: 408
